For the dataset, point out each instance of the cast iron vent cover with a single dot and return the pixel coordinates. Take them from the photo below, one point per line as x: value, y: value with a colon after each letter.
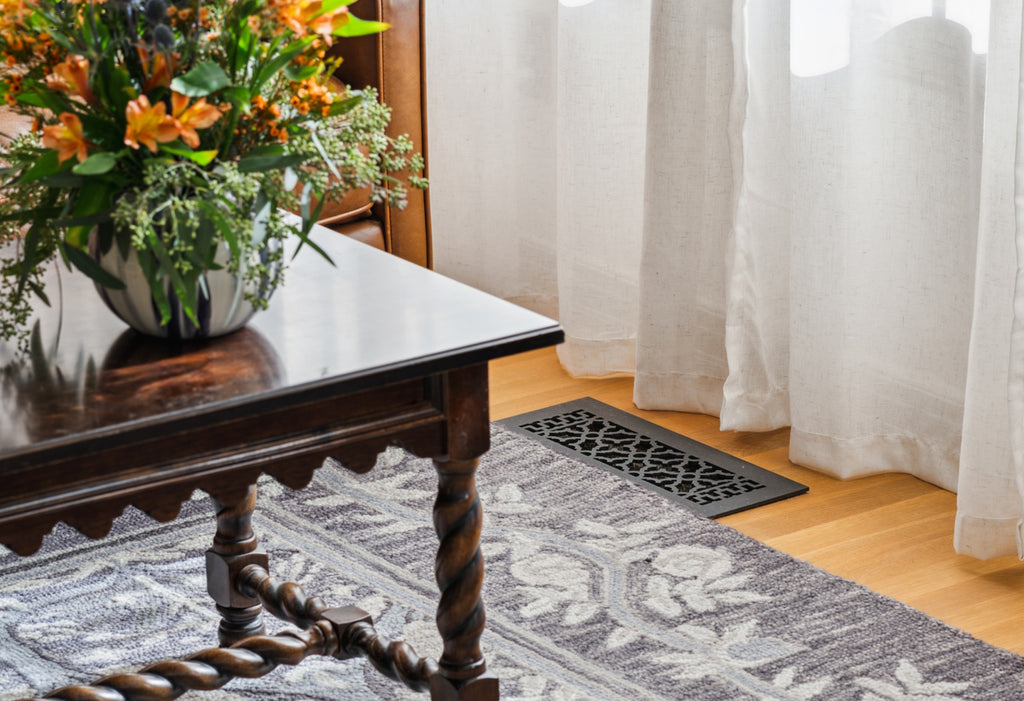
x: 700, y: 477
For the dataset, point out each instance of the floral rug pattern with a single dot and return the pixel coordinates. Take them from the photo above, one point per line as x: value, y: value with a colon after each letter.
x: 595, y: 589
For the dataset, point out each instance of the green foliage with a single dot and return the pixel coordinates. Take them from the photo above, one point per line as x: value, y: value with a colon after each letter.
x: 165, y: 126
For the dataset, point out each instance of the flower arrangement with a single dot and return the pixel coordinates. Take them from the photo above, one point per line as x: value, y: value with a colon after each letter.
x: 175, y: 127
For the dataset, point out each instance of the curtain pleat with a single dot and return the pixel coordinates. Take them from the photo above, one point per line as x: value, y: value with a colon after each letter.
x: 757, y: 327
x: 681, y: 360
x: 772, y: 222
x: 603, y: 61
x: 988, y: 501
x: 1016, y: 366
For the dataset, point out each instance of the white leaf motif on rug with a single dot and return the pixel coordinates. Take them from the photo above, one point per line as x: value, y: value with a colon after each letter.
x: 535, y: 687
x: 573, y: 554
x: 628, y: 543
x: 912, y: 687
x: 704, y: 581
x: 506, y: 500
x: 736, y: 647
x: 571, y: 589
x: 786, y: 681
x: 621, y: 637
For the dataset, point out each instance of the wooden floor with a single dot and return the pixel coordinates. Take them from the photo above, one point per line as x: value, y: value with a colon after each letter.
x: 891, y: 533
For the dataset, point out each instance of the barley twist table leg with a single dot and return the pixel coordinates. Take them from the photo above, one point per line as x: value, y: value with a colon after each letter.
x: 459, y: 570
x: 234, y: 547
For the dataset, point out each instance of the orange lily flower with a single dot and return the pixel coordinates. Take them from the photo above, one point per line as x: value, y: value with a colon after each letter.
x: 324, y: 24
x: 148, y: 125
x: 157, y: 68
x: 72, y: 76
x: 189, y: 118
x: 301, y: 16
x: 67, y: 138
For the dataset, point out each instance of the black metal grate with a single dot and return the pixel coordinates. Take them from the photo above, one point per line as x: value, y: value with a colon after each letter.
x: 676, y: 471
x: 702, y: 478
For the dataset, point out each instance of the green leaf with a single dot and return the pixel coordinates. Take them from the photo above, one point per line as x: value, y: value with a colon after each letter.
x: 63, y: 179
x: 240, y: 50
x: 187, y: 299
x: 115, y: 85
x: 256, y: 164
x: 84, y: 262
x: 47, y: 165
x: 105, y: 238
x: 356, y: 27
x: 61, y: 39
x: 221, y: 222
x: 204, y: 248
x: 300, y: 73
x: 330, y: 5
x: 286, y: 56
x: 95, y: 198
x: 39, y: 97
x: 96, y: 164
x: 203, y: 79
x: 151, y: 270
x: 32, y: 99
x: 25, y: 215
x: 304, y: 236
x: 201, y: 157
x: 267, y: 150
x: 86, y: 221
x: 345, y: 106
x: 28, y: 257
x: 238, y: 95
x: 39, y: 292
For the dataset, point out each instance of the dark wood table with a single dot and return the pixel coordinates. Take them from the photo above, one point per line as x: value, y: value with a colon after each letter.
x: 347, y: 360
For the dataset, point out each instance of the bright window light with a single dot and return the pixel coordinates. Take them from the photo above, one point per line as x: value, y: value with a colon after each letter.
x: 821, y: 32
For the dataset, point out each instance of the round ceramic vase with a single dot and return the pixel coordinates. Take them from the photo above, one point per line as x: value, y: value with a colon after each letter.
x: 221, y: 305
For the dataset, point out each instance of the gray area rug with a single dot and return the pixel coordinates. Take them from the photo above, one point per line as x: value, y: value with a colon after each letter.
x: 596, y: 588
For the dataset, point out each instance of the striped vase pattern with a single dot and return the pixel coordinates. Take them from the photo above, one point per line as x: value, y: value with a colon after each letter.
x: 221, y: 305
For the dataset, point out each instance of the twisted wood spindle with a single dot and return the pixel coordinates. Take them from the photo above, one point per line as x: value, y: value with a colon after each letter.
x: 234, y: 538
x: 459, y: 569
x: 208, y: 669
x: 285, y: 600
x: 395, y: 659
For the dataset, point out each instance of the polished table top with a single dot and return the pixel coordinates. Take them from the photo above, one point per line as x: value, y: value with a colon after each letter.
x: 368, y: 320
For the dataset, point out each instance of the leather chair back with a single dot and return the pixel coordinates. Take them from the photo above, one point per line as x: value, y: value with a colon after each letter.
x: 393, y: 63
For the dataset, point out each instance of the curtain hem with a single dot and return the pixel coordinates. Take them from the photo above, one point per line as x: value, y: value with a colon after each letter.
x: 756, y: 412
x: 673, y: 392
x: 986, y: 538
x: 869, y: 455
x: 584, y: 357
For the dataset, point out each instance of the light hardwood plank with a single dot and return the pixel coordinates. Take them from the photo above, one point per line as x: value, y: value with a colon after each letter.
x: 891, y: 533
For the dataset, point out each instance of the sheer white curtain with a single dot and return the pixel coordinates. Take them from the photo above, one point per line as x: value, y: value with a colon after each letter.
x: 782, y: 213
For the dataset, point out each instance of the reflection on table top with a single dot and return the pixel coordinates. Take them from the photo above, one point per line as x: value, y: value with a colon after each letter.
x: 368, y: 320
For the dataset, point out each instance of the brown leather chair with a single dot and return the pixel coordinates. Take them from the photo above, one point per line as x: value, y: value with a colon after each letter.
x: 393, y: 63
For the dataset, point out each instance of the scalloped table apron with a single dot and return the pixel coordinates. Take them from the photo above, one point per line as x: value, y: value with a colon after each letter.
x: 348, y: 360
